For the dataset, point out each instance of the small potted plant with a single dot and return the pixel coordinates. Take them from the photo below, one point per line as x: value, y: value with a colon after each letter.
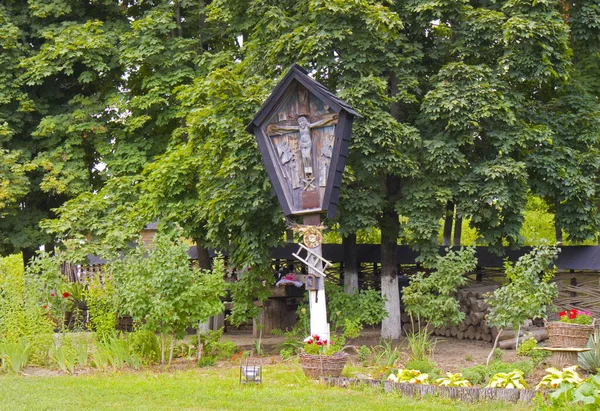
x: 572, y: 330
x: 322, y: 358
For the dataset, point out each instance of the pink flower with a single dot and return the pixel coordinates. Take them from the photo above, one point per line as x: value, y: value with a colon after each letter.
x: 309, y: 342
x: 316, y: 337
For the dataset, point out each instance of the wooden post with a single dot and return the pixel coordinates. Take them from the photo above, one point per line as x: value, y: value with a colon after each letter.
x: 317, y: 303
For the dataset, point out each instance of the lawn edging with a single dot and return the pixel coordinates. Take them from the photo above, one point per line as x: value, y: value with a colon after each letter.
x: 467, y: 394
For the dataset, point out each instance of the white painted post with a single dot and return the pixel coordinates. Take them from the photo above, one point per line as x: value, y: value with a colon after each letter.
x: 317, y: 303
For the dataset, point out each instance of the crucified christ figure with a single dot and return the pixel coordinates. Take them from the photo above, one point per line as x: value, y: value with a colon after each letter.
x: 303, y: 128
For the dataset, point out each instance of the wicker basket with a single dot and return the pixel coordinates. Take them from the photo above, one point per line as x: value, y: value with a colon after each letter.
x: 316, y: 366
x: 567, y: 335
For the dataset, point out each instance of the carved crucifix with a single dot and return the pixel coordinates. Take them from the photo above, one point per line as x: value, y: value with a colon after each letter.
x: 305, y: 142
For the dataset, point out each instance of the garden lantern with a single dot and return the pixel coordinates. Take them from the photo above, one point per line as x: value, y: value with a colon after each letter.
x: 250, y: 372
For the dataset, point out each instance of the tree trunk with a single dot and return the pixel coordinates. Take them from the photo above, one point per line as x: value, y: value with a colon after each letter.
x: 457, y: 231
x: 350, y: 264
x: 28, y: 254
x: 447, y: 237
x: 390, y: 227
x: 557, y: 228
x: 178, y: 19
x: 203, y: 256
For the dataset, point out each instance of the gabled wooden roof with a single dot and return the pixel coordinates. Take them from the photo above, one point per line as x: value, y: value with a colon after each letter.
x: 297, y: 73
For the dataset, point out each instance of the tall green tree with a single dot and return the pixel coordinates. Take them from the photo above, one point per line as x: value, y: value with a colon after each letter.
x: 473, y: 103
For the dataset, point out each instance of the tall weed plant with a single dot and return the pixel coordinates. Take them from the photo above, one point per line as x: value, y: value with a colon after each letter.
x: 102, y: 306
x: 23, y: 313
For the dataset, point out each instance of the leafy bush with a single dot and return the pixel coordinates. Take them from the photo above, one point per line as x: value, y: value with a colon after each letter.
x: 157, y: 287
x: 527, y: 349
x: 24, y: 318
x: 527, y: 294
x: 513, y: 379
x: 409, y: 376
x: 477, y: 374
x: 426, y: 366
x: 350, y: 312
x: 213, y: 347
x: 556, y: 377
x: 364, y: 354
x: 571, y: 393
x: 452, y: 380
x: 590, y: 360
x: 145, y: 345
x: 481, y: 373
x: 102, y: 306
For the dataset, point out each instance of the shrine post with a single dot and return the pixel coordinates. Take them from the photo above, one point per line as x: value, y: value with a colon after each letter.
x: 303, y: 133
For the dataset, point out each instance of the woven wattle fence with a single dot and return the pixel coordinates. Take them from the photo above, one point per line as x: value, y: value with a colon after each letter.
x: 470, y: 394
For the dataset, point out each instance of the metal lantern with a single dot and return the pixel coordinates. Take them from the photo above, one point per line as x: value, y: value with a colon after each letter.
x: 250, y: 372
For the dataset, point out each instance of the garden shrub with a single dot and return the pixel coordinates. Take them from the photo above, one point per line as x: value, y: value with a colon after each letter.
x: 527, y: 349
x: 426, y: 366
x: 145, y: 344
x: 157, y: 287
x: 102, y: 306
x: 24, y: 315
x: 213, y: 347
x: 481, y: 373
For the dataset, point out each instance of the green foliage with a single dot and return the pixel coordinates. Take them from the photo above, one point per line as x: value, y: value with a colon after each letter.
x: 116, y: 352
x: 409, y: 376
x: 23, y: 318
x: 426, y: 366
x: 316, y: 346
x: 481, y: 373
x: 452, y: 380
x: 555, y: 377
x: 64, y: 356
x: 157, y: 287
x: 527, y: 349
x: 590, y: 360
x: 69, y: 350
x: 352, y: 311
x: 212, y: 345
x: 431, y: 296
x: 364, y: 354
x: 528, y: 292
x: 145, y: 345
x: 582, y: 394
x: 15, y: 355
x: 386, y: 354
x: 102, y: 306
x: 420, y: 344
x: 513, y: 379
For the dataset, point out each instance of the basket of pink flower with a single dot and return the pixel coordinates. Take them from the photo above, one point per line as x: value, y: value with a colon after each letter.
x: 322, y: 358
x: 573, y: 329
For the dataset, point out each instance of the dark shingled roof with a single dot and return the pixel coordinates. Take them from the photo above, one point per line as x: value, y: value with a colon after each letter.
x: 301, y: 75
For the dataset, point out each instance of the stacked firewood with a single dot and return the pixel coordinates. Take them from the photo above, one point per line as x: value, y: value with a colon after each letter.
x: 474, y: 326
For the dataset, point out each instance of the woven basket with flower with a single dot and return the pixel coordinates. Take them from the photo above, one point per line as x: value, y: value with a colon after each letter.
x: 322, y: 358
x: 573, y: 329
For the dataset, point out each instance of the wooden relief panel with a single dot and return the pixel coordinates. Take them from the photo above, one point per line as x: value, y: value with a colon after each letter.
x: 301, y: 132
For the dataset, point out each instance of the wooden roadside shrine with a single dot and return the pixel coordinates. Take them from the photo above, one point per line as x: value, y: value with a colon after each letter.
x: 303, y: 133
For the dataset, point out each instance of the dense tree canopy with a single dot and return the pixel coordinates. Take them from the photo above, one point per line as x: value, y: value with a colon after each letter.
x: 127, y: 112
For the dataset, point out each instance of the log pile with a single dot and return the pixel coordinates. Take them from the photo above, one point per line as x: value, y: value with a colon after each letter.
x: 474, y: 326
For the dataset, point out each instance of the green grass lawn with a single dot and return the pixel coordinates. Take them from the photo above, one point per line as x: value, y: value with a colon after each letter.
x: 216, y: 388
